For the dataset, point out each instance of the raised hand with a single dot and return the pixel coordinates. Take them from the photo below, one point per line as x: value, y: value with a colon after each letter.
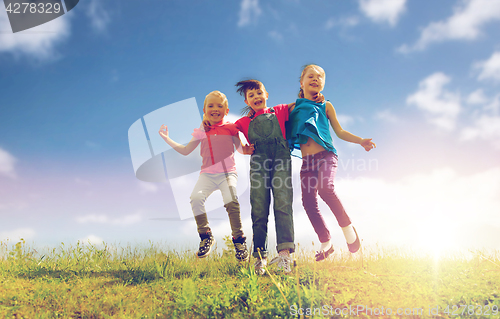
x: 368, y: 144
x: 164, y: 131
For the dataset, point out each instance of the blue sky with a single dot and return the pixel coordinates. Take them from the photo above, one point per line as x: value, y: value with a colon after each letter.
x: 422, y: 79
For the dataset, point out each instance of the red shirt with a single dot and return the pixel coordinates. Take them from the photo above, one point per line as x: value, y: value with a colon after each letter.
x: 281, y: 112
x: 217, y: 147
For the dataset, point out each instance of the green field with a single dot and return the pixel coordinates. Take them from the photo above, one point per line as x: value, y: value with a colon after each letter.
x: 86, y: 281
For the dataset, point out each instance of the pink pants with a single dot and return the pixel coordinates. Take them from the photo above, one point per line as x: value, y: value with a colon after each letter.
x: 316, y: 177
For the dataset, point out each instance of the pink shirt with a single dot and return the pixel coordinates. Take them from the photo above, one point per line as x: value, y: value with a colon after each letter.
x: 217, y: 148
x: 281, y: 112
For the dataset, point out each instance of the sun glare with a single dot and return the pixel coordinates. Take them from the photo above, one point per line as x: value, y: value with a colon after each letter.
x: 437, y: 241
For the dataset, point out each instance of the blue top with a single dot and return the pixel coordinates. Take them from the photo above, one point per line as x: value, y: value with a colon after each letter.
x: 308, y: 119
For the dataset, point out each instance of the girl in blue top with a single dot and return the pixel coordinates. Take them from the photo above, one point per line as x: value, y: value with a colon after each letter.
x: 308, y: 129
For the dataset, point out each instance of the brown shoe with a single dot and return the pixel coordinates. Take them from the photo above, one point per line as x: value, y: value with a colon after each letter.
x: 354, y: 247
x: 321, y: 255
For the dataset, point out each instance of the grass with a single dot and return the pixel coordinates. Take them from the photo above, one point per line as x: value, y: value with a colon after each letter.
x: 87, y: 281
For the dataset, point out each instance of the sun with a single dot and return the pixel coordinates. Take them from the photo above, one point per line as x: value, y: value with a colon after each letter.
x: 437, y: 241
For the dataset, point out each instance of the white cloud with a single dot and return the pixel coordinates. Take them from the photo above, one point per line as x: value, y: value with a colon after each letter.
x: 484, y: 127
x: 92, y: 240
x: 383, y: 11
x: 99, y: 17
x: 7, y: 162
x: 345, y: 120
x: 148, y: 187
x: 477, y: 97
x: 330, y: 23
x: 484, y: 124
x: 345, y: 22
x: 16, y: 234
x: 465, y: 24
x: 441, y: 106
x: 443, y: 202
x: 490, y: 69
x: 276, y: 36
x: 39, y: 42
x: 100, y: 219
x: 387, y: 116
x: 460, y: 211
x: 249, y: 12
x: 104, y: 219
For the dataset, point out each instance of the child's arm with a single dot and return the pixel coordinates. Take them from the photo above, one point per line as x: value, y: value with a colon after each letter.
x: 343, y: 134
x: 242, y: 149
x: 320, y: 98
x: 181, y: 149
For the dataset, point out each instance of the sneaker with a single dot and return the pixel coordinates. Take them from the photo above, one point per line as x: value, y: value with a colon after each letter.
x: 354, y: 247
x: 321, y: 255
x: 241, y: 249
x: 283, y: 263
x: 206, y: 244
x: 259, y: 266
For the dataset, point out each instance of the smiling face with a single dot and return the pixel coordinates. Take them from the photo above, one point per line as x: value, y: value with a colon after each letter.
x: 215, y: 107
x: 313, y: 80
x: 257, y: 98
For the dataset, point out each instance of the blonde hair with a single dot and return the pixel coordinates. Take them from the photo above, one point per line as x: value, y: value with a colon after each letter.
x: 304, y: 70
x: 218, y: 94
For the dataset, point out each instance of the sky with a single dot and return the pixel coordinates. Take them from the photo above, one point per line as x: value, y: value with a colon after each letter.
x: 421, y: 78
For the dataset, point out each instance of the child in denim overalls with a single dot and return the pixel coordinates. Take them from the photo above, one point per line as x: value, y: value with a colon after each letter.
x: 270, y: 170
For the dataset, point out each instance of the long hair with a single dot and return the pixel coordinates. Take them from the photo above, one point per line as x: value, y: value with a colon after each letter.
x: 304, y: 70
x: 243, y: 87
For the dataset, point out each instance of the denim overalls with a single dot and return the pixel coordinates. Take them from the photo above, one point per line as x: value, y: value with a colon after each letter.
x: 270, y: 169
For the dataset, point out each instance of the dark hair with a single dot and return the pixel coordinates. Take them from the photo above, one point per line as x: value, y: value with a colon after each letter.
x: 243, y: 87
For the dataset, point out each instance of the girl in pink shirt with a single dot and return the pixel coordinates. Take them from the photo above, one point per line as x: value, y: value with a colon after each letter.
x: 218, y: 171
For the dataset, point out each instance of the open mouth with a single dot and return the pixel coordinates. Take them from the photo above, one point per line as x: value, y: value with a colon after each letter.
x: 257, y: 103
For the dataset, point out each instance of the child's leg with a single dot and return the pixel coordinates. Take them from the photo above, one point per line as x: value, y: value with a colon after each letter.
x: 228, y: 190
x: 203, y: 188
x: 309, y: 184
x: 260, y: 200
x: 326, y: 174
x: 283, y: 197
x: 327, y: 168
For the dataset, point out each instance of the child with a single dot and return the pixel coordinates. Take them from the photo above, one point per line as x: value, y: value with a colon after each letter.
x: 270, y: 169
x: 218, y: 171
x: 308, y: 129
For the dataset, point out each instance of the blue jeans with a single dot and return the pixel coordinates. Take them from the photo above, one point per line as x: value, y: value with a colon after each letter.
x: 270, y: 170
